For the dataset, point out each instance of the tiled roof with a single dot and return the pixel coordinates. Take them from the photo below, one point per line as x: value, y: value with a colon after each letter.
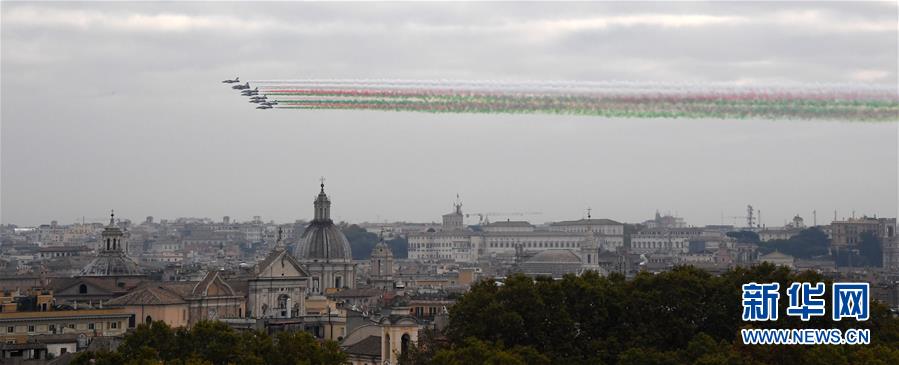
x: 112, y: 263
x: 275, y: 255
x: 156, y: 294
x: 61, y: 314
x: 201, y: 288
x: 239, y: 285
x: 107, y: 284
x: 370, y: 346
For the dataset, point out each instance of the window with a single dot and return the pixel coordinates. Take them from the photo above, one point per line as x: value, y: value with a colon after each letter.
x: 31, y: 328
x: 10, y: 329
x: 90, y: 326
x: 82, y: 289
x: 113, y: 325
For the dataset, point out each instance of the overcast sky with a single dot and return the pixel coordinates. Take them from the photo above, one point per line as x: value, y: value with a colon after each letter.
x: 120, y: 106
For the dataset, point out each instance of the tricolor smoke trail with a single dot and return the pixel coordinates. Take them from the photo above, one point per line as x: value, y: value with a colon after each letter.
x: 606, y: 99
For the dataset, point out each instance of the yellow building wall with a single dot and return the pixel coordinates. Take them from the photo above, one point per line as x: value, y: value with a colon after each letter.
x: 175, y: 315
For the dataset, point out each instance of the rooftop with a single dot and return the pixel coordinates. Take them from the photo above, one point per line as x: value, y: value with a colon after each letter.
x: 601, y: 222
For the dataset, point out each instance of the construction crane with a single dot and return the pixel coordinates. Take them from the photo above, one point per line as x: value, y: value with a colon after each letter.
x: 483, y: 218
x: 750, y: 217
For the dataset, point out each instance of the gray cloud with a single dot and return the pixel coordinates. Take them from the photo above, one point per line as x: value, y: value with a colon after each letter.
x: 118, y: 105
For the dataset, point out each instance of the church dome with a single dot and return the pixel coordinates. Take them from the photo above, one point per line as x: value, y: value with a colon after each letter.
x: 322, y: 240
x: 555, y: 263
x: 112, y: 264
x: 112, y: 260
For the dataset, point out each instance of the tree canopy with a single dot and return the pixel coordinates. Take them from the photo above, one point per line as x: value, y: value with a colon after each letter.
x: 362, y: 242
x: 809, y: 243
x: 871, y: 249
x: 214, y: 343
x: 744, y: 236
x: 684, y: 316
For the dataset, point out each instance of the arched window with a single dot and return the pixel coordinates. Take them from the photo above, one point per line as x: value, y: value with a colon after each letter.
x: 82, y: 289
x: 108, y: 242
x: 337, y: 282
x: 148, y: 320
x: 404, y: 343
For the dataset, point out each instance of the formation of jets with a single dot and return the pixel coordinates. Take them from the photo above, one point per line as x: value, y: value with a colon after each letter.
x: 245, y: 90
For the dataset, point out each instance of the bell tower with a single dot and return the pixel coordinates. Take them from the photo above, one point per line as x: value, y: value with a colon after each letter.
x: 112, y: 238
x: 322, y: 205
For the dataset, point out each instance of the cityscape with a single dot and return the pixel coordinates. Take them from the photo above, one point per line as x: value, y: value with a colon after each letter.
x: 347, y: 282
x: 380, y: 183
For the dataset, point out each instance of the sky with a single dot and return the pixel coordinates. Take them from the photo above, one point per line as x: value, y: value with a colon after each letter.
x: 120, y: 105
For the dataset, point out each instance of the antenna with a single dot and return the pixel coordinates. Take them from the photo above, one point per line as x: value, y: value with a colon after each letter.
x: 750, y: 218
x: 589, y: 211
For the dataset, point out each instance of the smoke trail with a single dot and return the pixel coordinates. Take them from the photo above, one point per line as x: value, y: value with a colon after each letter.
x: 846, y: 102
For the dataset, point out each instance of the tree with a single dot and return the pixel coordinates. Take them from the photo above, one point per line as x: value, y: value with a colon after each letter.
x: 300, y: 347
x: 683, y: 316
x: 744, y: 236
x: 399, y: 246
x: 474, y: 351
x: 870, y: 249
x: 807, y: 244
x: 361, y: 241
x: 215, y: 343
x: 152, y: 340
x: 101, y: 357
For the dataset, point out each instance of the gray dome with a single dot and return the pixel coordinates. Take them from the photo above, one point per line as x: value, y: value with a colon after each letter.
x: 323, y: 241
x: 558, y: 256
x: 112, y: 263
x: 554, y: 263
